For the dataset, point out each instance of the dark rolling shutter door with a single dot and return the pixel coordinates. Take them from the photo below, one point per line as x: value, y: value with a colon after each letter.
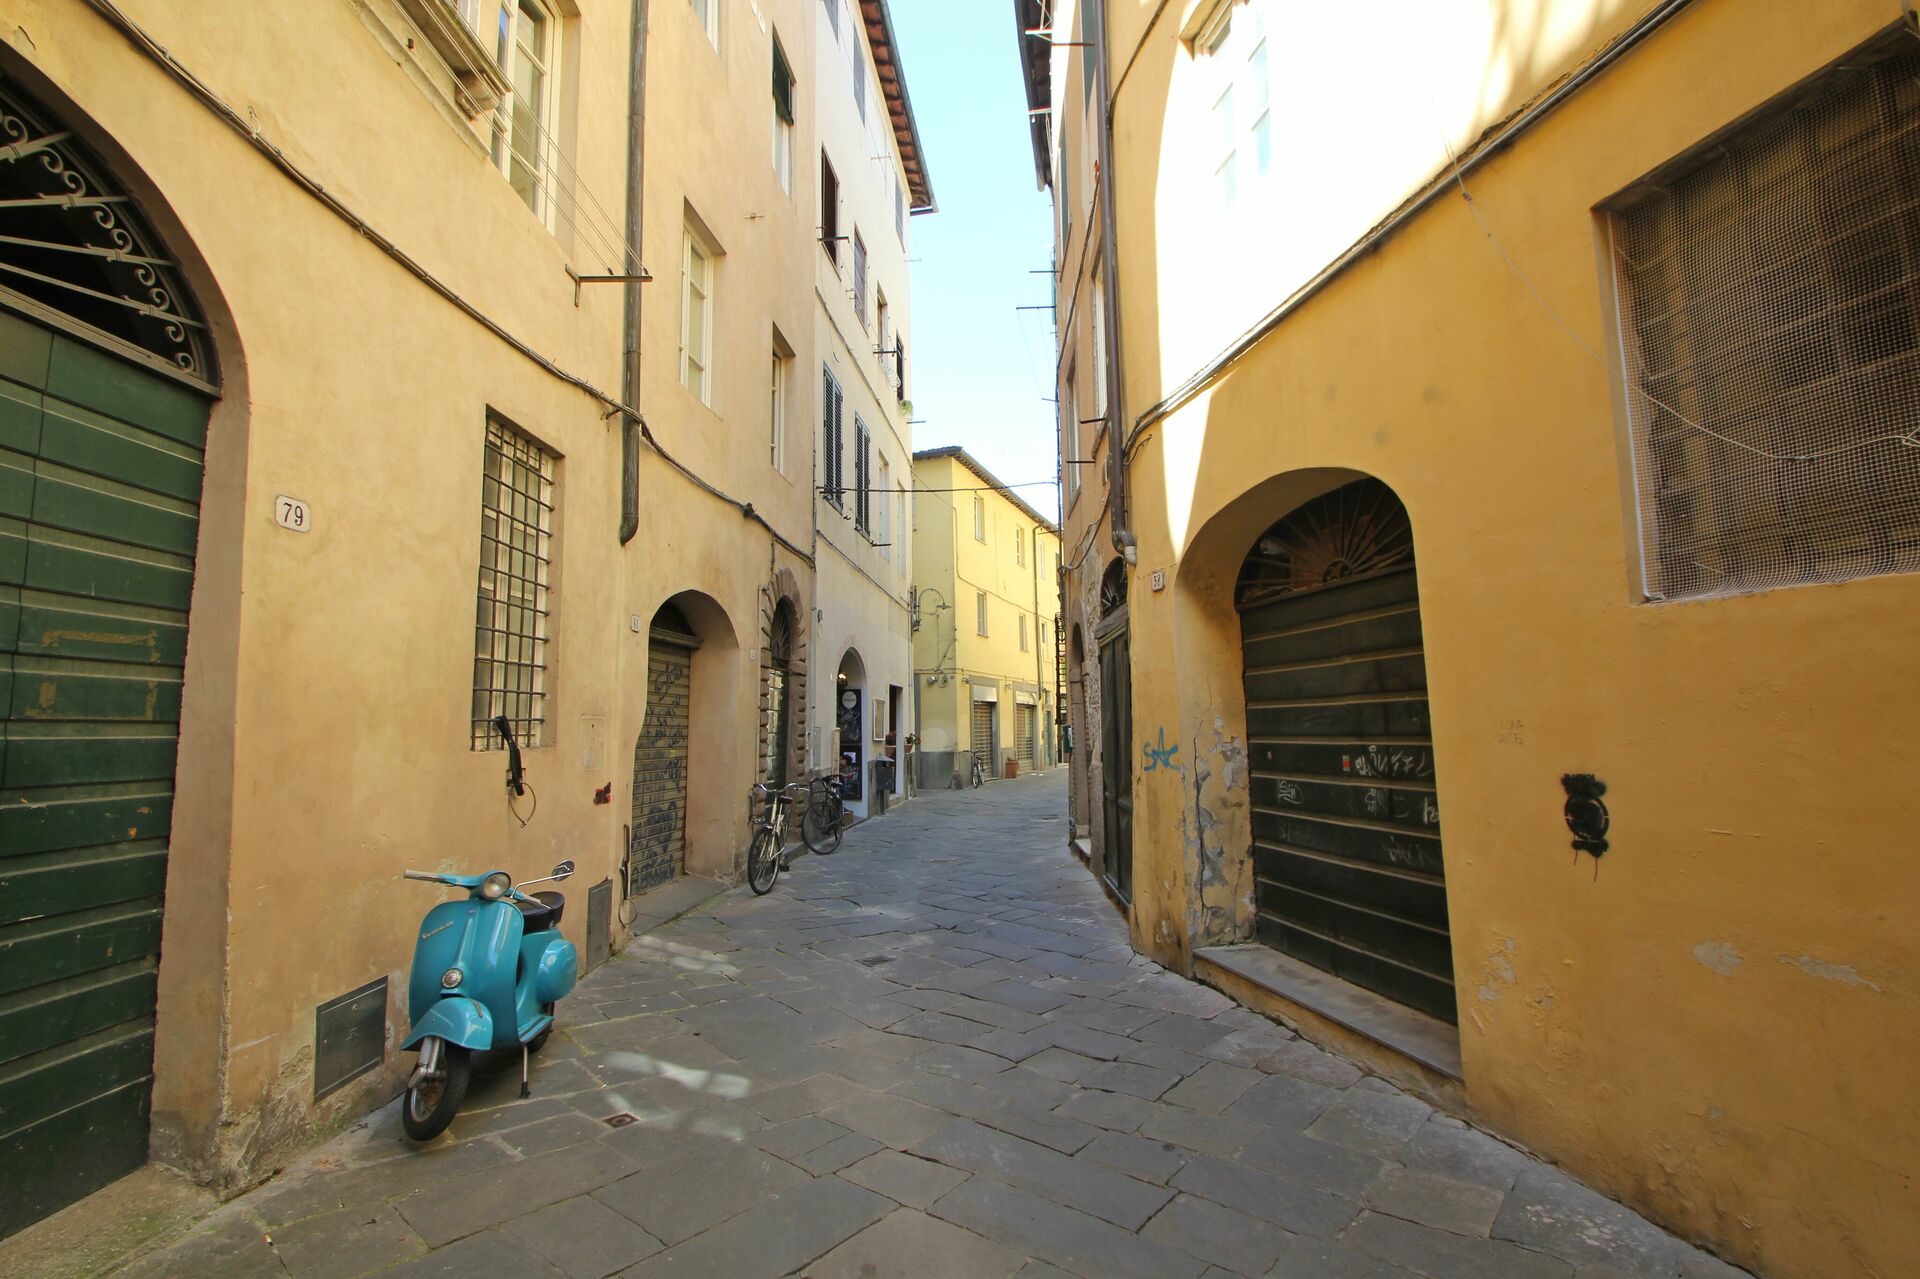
x: 659, y: 845
x: 100, y: 470
x: 1346, y: 825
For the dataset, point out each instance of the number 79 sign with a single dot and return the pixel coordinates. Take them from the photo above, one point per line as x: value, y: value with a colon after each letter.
x: 292, y: 513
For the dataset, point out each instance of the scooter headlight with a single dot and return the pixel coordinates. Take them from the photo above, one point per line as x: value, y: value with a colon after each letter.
x: 451, y: 978
x: 495, y: 886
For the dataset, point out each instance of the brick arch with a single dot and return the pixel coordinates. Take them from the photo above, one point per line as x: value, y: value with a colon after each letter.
x: 783, y: 586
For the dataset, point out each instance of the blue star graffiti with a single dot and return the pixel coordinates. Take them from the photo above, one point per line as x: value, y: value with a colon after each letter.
x: 1160, y: 755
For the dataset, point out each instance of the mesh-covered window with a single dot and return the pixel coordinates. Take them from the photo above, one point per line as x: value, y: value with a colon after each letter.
x: 1769, y: 290
x: 510, y: 630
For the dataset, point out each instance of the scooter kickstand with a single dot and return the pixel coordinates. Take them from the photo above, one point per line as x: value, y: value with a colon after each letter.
x: 524, y: 1090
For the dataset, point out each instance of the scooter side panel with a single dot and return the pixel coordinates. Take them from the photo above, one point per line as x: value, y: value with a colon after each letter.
x: 482, y: 940
x: 544, y: 957
x: 456, y: 1020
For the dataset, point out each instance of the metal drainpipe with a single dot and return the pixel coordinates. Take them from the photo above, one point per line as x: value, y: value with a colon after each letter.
x: 1123, y: 540
x: 630, y: 316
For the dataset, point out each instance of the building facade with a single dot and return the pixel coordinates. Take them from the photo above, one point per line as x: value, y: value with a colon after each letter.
x: 985, y: 624
x: 1462, y: 510
x: 337, y: 428
x: 872, y: 179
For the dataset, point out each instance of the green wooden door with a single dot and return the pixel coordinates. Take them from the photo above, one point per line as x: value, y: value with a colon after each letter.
x: 100, y: 465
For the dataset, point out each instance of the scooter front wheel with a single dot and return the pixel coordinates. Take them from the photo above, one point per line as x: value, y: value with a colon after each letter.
x: 434, y: 1096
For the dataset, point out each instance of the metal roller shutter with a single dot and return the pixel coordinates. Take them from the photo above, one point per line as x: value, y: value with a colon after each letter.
x: 1346, y: 825
x: 659, y: 842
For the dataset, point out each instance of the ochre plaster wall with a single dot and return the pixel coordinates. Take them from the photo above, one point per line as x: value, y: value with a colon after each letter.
x: 1715, y: 1022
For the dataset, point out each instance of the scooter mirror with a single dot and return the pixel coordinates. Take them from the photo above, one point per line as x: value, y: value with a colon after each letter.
x: 563, y: 870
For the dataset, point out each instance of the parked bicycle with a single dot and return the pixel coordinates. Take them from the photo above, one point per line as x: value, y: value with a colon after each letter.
x: 767, y: 854
x: 825, y: 815
x: 979, y: 768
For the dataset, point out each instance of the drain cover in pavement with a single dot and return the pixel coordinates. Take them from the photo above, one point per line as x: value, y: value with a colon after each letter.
x: 621, y: 1120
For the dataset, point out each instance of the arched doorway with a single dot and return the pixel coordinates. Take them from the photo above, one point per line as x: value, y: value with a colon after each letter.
x: 1116, y: 730
x: 850, y: 711
x: 1345, y: 821
x: 106, y: 383
x: 658, y: 848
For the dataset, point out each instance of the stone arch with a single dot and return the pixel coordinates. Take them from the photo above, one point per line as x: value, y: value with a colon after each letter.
x: 781, y: 600
x: 683, y: 815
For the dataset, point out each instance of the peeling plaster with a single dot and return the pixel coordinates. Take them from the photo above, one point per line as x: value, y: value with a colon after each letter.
x: 1845, y: 974
x: 1719, y: 957
x: 1499, y: 969
x: 1212, y: 916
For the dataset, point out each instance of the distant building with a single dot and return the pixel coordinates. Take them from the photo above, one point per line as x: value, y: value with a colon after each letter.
x: 1482, y: 422
x: 986, y: 623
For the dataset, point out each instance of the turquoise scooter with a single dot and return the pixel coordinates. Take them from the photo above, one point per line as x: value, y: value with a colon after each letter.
x: 487, y: 972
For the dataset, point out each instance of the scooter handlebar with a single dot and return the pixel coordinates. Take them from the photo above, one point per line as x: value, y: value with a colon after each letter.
x: 426, y: 875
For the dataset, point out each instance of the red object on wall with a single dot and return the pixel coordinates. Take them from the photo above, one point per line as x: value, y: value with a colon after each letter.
x: 604, y: 795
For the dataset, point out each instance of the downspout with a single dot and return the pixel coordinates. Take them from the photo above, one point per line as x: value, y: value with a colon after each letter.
x: 630, y: 315
x: 1123, y: 540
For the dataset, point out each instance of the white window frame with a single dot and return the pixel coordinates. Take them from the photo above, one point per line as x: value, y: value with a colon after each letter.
x: 1070, y: 435
x: 696, y: 277
x: 979, y: 518
x: 504, y: 147
x: 883, y: 506
x: 777, y: 410
x: 1097, y: 306
x: 1235, y: 43
x: 707, y: 13
x: 783, y: 131
x: 980, y: 611
x: 860, y: 277
x: 1020, y: 547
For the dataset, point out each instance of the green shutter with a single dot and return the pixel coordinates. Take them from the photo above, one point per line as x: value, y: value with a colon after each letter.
x: 100, y: 470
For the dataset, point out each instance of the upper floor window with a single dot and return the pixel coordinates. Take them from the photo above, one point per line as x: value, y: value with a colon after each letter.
x: 777, y: 408
x: 859, y: 82
x: 523, y: 123
x: 696, y: 316
x: 883, y: 509
x: 900, y: 210
x: 1020, y: 547
x: 708, y: 11
x: 515, y: 605
x: 862, y: 477
x: 1023, y: 632
x: 979, y: 518
x: 980, y: 611
x: 782, y: 118
x: 1070, y: 437
x: 1097, y: 330
x: 1236, y: 42
x: 860, y: 278
x: 829, y: 209
x: 833, y: 406
x: 1772, y: 345
x: 833, y: 16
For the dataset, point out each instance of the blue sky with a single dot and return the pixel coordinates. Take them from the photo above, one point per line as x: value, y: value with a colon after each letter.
x: 981, y: 369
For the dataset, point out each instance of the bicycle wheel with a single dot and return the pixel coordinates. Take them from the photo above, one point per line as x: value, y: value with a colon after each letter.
x: 763, y: 861
x: 820, y: 826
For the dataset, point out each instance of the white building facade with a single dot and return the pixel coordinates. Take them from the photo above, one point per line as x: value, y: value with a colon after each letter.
x: 871, y: 179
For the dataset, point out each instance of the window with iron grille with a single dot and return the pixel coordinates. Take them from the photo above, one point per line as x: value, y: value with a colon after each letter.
x: 510, y: 629
x: 1769, y: 288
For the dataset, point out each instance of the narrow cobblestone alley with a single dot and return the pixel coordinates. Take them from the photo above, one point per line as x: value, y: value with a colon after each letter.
x: 932, y: 1054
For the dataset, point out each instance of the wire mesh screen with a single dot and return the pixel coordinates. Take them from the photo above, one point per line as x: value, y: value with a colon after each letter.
x: 510, y: 629
x: 1769, y: 291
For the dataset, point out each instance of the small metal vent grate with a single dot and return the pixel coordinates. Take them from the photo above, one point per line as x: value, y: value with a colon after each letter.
x: 1770, y: 297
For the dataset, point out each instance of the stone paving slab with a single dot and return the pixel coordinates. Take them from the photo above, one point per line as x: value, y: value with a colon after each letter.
x: 931, y: 1054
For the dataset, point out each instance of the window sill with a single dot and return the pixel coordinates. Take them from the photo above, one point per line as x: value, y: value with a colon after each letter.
x: 481, y: 82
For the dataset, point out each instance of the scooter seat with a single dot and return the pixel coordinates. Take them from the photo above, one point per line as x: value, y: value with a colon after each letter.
x: 542, y: 913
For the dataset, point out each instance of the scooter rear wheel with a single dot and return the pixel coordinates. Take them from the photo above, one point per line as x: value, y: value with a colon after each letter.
x: 426, y: 1110
x: 763, y: 861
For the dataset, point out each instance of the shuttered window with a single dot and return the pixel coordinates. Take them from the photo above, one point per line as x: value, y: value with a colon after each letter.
x: 1769, y: 290
x: 832, y: 414
x: 862, y: 477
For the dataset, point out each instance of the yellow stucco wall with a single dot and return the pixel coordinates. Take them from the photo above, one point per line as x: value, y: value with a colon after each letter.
x: 324, y: 741
x: 1715, y: 1023
x: 1017, y: 579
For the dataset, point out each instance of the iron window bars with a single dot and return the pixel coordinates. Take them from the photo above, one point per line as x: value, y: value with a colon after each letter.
x: 1772, y: 340
x: 510, y: 627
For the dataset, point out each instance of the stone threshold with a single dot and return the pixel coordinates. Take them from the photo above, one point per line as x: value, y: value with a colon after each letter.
x: 1427, y: 1040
